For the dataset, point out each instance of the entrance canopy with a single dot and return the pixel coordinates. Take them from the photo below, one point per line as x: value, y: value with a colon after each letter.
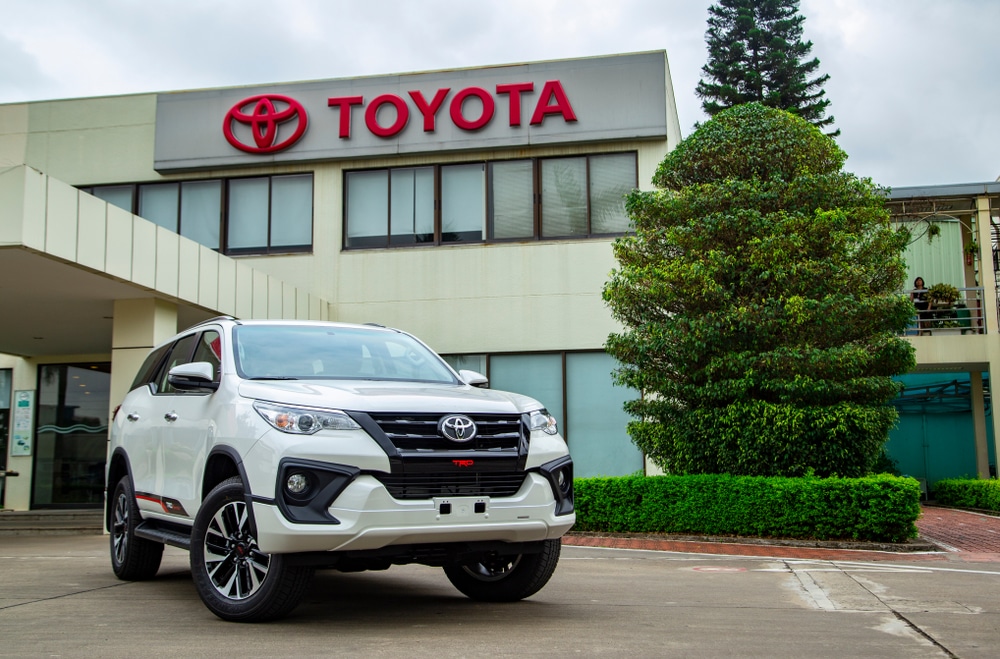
x: 66, y: 257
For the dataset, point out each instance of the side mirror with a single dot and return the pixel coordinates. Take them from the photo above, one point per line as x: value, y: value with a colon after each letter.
x: 474, y: 379
x: 194, y: 376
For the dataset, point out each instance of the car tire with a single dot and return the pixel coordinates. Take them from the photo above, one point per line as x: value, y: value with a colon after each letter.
x: 235, y: 580
x: 506, y: 578
x: 132, y: 558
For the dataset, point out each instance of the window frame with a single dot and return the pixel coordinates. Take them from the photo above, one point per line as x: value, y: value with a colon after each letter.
x: 224, y: 207
x: 384, y: 240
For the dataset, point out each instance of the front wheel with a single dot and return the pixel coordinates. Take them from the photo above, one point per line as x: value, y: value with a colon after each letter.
x: 234, y: 579
x: 497, y: 578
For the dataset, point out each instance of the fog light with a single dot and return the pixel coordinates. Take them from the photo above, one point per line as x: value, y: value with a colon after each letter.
x: 297, y: 483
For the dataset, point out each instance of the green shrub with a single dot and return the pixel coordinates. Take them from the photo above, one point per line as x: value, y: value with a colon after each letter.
x: 876, y: 508
x: 758, y: 297
x: 968, y: 493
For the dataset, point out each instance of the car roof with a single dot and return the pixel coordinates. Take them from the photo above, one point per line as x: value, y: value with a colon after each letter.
x: 230, y: 320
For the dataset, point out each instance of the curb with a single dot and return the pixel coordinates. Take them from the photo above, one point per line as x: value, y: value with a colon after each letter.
x: 915, y: 545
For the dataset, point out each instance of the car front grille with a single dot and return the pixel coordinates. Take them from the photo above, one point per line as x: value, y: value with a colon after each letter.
x: 413, y: 432
x: 429, y: 485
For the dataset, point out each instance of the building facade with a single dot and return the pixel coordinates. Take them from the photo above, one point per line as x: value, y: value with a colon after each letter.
x: 474, y: 208
x: 947, y: 428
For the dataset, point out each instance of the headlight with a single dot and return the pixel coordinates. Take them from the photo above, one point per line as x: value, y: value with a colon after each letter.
x: 542, y: 420
x: 303, y: 420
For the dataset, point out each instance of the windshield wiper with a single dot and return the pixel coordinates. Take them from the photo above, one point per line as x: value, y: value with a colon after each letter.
x: 274, y: 377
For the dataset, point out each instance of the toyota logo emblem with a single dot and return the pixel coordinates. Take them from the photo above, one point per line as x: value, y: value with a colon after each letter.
x: 457, y: 428
x: 258, y: 124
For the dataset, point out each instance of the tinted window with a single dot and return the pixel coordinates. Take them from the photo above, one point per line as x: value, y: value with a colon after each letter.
x: 180, y: 354
x: 147, y: 372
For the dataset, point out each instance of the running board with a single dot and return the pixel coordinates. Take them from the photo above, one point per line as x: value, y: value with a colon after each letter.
x: 150, y: 531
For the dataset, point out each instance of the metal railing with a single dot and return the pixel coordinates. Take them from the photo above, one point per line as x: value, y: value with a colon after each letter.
x: 965, y: 316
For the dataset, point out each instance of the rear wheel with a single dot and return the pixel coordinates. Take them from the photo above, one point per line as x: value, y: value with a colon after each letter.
x: 236, y: 580
x: 499, y: 578
x: 132, y: 558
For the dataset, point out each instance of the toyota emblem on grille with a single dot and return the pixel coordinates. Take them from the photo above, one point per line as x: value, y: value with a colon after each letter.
x: 457, y: 428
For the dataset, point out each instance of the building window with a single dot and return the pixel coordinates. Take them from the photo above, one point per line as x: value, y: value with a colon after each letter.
x: 579, y: 389
x: 512, y: 199
x: 258, y: 215
x: 192, y: 208
x: 463, y: 203
x: 580, y: 196
x: 121, y: 196
x: 612, y: 176
x: 269, y: 214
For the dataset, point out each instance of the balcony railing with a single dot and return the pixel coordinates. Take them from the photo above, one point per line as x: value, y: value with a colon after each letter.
x: 963, y: 317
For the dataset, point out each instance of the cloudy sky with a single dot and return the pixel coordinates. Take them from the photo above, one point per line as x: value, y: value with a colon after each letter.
x: 914, y: 84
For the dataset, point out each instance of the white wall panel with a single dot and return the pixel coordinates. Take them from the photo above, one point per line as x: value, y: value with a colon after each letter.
x: 118, y: 243
x: 188, y: 264
x: 143, y: 252
x: 61, y: 219
x: 208, y: 277
x: 227, y: 287
x: 167, y: 256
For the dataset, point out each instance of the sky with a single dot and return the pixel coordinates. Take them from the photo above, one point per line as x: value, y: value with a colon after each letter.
x: 914, y: 84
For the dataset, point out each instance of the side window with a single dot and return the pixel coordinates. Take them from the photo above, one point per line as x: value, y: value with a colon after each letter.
x: 147, y: 372
x: 179, y: 354
x: 209, y: 349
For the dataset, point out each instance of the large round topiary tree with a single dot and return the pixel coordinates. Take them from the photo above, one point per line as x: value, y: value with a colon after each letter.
x: 760, y: 305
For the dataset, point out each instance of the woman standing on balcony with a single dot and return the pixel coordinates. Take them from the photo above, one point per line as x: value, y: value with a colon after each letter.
x: 919, y: 298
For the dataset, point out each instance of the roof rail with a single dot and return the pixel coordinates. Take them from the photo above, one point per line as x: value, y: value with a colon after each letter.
x: 212, y: 320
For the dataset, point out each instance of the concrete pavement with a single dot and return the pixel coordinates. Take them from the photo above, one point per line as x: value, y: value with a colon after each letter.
x: 58, y: 597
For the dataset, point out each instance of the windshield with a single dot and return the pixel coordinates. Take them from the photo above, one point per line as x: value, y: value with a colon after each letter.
x: 280, y: 352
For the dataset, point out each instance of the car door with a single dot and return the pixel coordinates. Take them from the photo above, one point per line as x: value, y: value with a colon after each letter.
x: 188, y: 429
x: 137, y: 428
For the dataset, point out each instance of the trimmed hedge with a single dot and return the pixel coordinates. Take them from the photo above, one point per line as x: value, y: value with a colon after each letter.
x: 876, y: 508
x: 968, y: 493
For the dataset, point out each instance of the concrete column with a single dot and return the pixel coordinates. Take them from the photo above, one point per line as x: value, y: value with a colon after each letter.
x: 138, y: 325
x: 17, y: 492
x: 987, y: 278
x: 979, y: 423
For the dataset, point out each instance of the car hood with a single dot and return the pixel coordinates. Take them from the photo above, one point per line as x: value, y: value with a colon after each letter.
x: 384, y: 396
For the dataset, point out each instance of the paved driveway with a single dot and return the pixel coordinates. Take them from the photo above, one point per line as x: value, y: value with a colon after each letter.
x: 58, y: 597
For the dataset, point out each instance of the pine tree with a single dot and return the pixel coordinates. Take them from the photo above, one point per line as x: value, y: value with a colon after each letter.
x: 756, y: 54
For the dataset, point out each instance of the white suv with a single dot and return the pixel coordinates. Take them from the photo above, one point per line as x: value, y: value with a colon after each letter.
x: 271, y: 448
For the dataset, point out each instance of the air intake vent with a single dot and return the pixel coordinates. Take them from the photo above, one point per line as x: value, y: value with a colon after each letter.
x: 426, y: 486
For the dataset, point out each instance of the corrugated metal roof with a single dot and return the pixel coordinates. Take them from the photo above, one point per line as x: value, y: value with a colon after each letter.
x: 948, y: 190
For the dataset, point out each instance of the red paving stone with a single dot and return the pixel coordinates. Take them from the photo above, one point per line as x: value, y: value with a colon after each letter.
x: 960, y: 531
x: 961, y: 535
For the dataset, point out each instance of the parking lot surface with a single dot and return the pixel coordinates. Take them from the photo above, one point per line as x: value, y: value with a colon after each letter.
x: 58, y: 597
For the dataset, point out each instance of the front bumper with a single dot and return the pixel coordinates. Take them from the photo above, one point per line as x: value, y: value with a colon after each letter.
x: 369, y: 518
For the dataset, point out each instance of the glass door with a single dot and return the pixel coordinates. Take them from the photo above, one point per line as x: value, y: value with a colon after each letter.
x: 71, y: 435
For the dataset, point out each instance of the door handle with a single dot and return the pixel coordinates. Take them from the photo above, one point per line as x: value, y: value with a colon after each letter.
x: 170, y: 416
x: 132, y: 416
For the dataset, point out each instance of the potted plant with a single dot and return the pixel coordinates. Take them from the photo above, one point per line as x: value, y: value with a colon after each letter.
x: 943, y: 298
x: 971, y: 250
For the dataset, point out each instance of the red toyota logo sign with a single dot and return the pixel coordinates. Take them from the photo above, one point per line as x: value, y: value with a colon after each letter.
x: 262, y: 120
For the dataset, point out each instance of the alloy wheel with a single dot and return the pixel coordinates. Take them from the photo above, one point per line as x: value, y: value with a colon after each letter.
x: 235, y: 566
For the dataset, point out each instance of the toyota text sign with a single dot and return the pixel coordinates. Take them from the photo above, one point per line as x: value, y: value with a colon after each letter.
x: 594, y: 99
